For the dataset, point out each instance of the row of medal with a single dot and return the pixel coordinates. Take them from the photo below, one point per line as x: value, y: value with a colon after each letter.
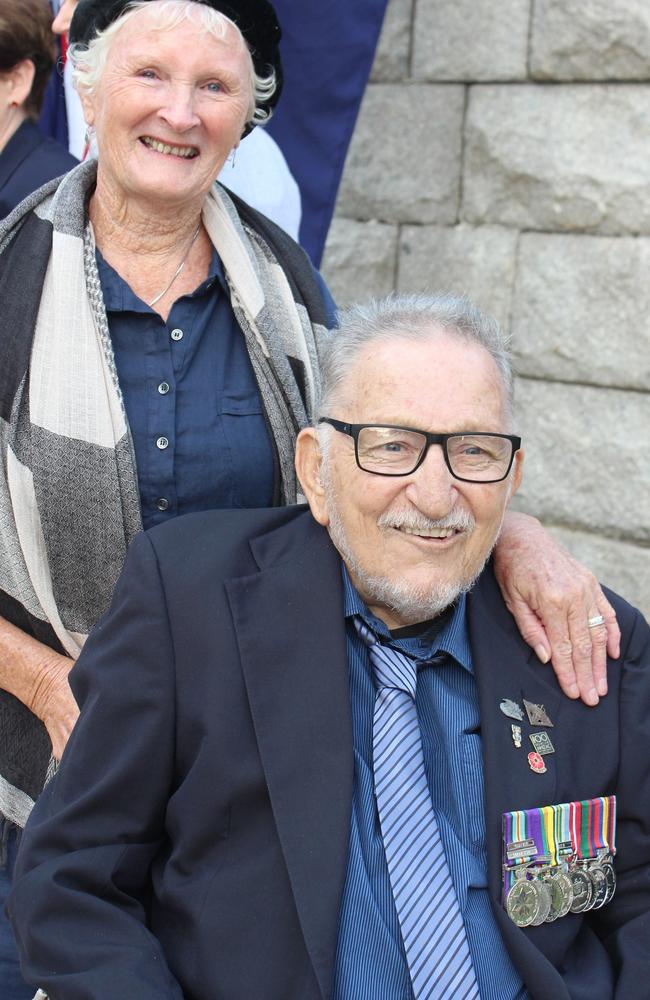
x: 558, y: 860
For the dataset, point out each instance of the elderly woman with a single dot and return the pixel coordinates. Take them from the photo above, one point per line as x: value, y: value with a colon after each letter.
x: 160, y: 355
x: 27, y: 51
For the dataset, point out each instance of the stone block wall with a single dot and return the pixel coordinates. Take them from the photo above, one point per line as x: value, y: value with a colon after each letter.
x: 503, y: 150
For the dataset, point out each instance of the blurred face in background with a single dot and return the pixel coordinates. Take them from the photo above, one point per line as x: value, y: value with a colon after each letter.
x: 61, y: 23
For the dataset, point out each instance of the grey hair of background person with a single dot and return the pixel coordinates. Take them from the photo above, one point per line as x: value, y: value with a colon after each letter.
x: 408, y: 317
x: 89, y: 61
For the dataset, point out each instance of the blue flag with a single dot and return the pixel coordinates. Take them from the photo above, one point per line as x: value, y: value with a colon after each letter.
x: 327, y: 50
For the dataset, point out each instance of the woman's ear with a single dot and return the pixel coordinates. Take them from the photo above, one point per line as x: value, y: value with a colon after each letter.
x: 87, y: 106
x: 21, y: 77
x: 309, y: 461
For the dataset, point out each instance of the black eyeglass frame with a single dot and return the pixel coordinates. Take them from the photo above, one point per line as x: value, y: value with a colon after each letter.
x: 353, y: 431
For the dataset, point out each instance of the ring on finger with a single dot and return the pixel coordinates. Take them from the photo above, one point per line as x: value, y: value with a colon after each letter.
x: 595, y: 621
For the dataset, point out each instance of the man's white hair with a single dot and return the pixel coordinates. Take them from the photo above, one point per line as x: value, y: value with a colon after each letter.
x: 409, y: 317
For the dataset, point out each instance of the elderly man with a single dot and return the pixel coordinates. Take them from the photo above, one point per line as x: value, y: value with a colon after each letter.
x: 315, y: 759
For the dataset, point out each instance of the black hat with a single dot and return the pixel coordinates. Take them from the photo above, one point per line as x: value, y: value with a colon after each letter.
x: 256, y: 19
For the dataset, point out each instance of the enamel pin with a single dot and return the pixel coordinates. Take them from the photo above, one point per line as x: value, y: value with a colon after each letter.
x: 516, y: 735
x: 512, y: 709
x: 542, y: 743
x: 536, y: 714
x: 536, y: 762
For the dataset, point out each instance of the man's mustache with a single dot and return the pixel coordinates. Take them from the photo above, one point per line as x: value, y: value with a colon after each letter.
x: 456, y: 520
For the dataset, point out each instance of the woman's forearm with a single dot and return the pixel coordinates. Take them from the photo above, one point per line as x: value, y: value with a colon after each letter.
x: 38, y: 677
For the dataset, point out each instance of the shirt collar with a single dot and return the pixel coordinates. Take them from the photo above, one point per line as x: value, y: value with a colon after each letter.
x: 452, y: 639
x: 118, y: 296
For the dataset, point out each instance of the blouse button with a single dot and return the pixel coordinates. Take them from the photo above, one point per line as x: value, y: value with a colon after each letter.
x: 162, y: 504
x: 163, y: 388
x: 177, y: 334
x: 162, y: 443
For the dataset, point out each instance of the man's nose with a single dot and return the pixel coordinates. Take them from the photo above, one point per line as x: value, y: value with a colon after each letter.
x: 178, y: 108
x: 432, y: 488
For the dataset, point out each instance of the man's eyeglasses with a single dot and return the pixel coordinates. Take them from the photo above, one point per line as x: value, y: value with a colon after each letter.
x: 385, y: 450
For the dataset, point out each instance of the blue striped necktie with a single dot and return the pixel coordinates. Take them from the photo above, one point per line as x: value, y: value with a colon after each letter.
x: 433, y: 932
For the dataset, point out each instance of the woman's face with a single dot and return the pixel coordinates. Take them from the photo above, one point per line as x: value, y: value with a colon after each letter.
x: 169, y: 107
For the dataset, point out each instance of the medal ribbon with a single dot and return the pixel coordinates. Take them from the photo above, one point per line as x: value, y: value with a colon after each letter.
x: 593, y: 826
x: 548, y: 832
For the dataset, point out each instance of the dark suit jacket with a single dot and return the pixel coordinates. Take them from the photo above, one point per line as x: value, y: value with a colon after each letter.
x: 27, y: 162
x: 197, y: 831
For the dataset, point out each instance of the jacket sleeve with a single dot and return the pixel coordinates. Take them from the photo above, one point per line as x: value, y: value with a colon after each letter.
x: 79, y: 903
x: 624, y: 924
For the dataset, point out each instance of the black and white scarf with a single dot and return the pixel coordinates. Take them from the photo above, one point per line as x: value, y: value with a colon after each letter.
x: 69, y: 501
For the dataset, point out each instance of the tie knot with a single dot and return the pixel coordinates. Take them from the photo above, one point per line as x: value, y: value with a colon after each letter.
x: 392, y: 668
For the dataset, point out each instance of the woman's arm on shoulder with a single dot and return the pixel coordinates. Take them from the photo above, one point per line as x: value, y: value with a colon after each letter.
x: 551, y: 597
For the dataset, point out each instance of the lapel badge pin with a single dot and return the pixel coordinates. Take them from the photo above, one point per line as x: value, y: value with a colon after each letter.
x: 516, y: 735
x: 542, y: 743
x: 536, y: 762
x: 536, y: 714
x: 511, y: 709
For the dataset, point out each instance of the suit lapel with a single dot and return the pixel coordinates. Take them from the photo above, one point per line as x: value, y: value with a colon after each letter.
x: 290, y: 629
x: 506, y: 667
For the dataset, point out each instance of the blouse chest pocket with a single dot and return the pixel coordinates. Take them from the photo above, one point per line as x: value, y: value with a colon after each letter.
x: 249, y: 444
x: 241, y: 404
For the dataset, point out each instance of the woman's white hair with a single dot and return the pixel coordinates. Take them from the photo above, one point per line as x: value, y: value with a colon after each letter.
x: 89, y: 61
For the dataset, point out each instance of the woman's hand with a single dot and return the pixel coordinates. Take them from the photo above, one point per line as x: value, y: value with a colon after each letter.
x: 53, y: 701
x: 552, y: 597
x: 38, y: 676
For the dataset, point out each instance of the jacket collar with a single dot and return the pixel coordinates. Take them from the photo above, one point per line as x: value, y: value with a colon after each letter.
x: 294, y: 659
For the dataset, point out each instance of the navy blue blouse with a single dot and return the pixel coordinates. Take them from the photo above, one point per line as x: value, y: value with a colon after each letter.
x: 191, y: 399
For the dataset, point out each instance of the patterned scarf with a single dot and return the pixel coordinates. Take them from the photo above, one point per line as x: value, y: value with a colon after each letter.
x: 69, y: 500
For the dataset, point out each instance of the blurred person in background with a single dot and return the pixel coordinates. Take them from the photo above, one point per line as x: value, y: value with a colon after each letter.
x: 27, y: 158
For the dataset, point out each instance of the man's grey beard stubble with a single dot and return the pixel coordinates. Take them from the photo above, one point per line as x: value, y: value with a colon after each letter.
x: 409, y: 603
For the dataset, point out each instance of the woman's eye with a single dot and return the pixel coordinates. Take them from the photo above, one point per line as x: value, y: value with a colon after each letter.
x: 214, y: 87
x: 147, y: 74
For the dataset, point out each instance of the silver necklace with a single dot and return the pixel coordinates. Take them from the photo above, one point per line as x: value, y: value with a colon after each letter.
x: 178, y: 269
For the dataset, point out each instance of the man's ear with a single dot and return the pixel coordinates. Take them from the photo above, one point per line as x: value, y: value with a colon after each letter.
x: 308, y: 469
x: 517, y: 472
